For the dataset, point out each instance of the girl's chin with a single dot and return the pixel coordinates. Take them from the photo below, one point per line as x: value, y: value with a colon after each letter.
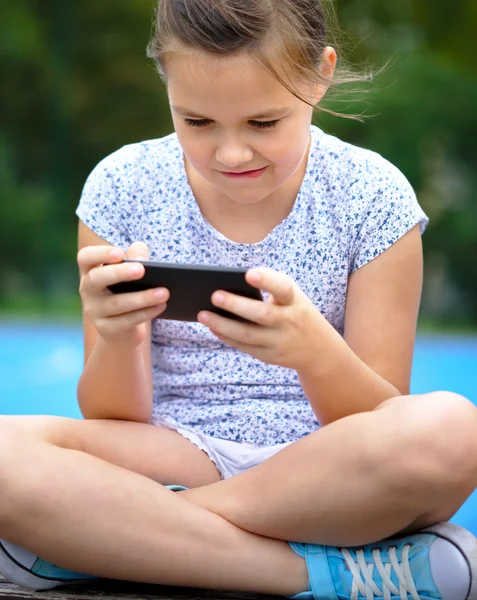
x: 244, y: 199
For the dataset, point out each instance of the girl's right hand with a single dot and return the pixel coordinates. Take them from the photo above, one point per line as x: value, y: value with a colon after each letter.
x: 117, y: 317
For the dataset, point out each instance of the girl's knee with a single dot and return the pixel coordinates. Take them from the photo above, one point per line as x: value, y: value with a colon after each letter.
x: 451, y: 443
x: 13, y: 432
x: 459, y: 419
x: 443, y: 430
x: 32, y: 425
x: 56, y: 430
x: 19, y: 436
x: 438, y: 417
x: 21, y: 441
x: 12, y: 445
x: 448, y: 417
x: 432, y: 439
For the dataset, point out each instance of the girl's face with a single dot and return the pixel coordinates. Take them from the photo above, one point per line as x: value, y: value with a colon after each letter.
x: 231, y: 116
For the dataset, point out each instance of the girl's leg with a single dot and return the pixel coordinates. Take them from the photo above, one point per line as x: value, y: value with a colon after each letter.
x: 90, y: 516
x: 156, y: 452
x: 410, y: 463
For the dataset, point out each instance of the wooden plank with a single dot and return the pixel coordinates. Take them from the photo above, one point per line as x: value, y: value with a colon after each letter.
x: 106, y: 589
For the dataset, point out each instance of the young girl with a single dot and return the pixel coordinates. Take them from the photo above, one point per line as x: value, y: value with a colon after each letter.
x: 303, y: 466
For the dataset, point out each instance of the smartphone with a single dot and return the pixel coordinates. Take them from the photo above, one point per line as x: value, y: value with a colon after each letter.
x: 190, y: 286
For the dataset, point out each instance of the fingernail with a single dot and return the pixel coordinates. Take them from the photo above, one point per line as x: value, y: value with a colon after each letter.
x: 255, y: 276
x: 218, y: 298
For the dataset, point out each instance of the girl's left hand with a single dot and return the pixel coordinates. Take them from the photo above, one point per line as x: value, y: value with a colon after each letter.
x: 284, y: 328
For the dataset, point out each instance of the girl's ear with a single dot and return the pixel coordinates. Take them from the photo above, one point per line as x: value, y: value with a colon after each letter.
x: 327, y: 68
x: 328, y: 62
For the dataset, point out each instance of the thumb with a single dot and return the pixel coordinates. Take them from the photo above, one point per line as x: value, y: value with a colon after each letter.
x: 138, y: 250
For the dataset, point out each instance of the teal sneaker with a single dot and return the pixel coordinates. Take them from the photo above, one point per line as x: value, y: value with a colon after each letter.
x: 23, y: 568
x: 437, y: 563
x: 27, y: 570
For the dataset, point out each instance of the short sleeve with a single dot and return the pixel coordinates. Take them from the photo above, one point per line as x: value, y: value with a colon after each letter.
x: 390, y: 211
x: 103, y: 205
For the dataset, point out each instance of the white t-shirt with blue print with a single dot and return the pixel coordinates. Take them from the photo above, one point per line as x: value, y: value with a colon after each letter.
x: 351, y: 207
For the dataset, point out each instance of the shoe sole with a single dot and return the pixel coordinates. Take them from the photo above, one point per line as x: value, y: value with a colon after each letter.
x: 15, y: 573
x: 466, y: 543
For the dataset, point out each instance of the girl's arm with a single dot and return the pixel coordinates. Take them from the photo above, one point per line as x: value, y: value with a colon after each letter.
x: 340, y: 376
x: 373, y: 362
x: 117, y: 378
x: 116, y: 383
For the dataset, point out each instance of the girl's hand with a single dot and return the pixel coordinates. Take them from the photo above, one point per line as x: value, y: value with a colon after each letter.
x: 117, y: 317
x: 284, y: 329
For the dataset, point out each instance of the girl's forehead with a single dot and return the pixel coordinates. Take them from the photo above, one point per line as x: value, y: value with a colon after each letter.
x: 240, y: 76
x: 197, y: 64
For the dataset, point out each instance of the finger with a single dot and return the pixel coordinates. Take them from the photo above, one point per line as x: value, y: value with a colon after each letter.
x: 279, y: 285
x: 93, y: 256
x: 99, y: 278
x: 128, y: 321
x: 138, y: 250
x: 257, y: 311
x: 248, y: 349
x: 122, y: 304
x: 243, y: 333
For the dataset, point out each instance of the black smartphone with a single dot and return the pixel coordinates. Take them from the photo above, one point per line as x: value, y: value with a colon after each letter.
x: 190, y: 286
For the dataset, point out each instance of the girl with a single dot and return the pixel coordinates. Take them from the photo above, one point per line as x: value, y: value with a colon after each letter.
x: 305, y: 468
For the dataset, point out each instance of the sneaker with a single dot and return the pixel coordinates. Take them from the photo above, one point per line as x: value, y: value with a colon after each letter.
x: 436, y: 563
x: 22, y: 567
x: 27, y: 570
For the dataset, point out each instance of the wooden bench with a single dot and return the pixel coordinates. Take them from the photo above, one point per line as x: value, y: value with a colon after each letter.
x: 110, y: 590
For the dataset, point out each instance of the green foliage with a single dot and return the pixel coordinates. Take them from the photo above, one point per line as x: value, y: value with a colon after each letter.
x: 77, y: 85
x: 424, y: 121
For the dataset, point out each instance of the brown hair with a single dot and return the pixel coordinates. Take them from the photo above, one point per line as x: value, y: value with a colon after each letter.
x: 294, y: 31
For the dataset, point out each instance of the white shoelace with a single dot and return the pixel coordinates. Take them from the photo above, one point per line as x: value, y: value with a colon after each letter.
x: 368, y: 587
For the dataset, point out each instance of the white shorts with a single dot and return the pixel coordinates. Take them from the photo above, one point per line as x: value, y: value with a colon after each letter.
x: 229, y: 457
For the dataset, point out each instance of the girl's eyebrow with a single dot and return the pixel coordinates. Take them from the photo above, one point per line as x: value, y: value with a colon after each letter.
x: 272, y: 112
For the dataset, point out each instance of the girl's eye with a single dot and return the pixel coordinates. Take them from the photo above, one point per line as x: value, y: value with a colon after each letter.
x: 196, y: 122
x: 257, y: 124
x: 264, y: 124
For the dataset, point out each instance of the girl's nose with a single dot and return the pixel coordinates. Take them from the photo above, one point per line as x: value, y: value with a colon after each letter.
x: 233, y: 153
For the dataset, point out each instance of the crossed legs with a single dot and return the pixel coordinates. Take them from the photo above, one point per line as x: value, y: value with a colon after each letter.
x: 410, y: 463
x: 87, y: 495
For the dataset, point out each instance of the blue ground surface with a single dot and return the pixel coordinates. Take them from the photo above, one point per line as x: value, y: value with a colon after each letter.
x: 40, y: 365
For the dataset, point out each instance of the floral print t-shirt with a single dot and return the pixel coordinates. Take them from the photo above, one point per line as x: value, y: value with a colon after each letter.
x: 352, y: 205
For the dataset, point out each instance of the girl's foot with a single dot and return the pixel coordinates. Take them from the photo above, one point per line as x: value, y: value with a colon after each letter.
x: 437, y: 563
x: 22, y: 567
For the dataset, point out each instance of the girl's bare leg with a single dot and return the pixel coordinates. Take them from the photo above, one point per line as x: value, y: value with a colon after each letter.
x: 156, y: 452
x: 408, y: 464
x: 85, y: 514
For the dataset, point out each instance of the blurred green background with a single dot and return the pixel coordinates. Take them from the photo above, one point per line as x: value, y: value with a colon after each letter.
x: 76, y: 85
